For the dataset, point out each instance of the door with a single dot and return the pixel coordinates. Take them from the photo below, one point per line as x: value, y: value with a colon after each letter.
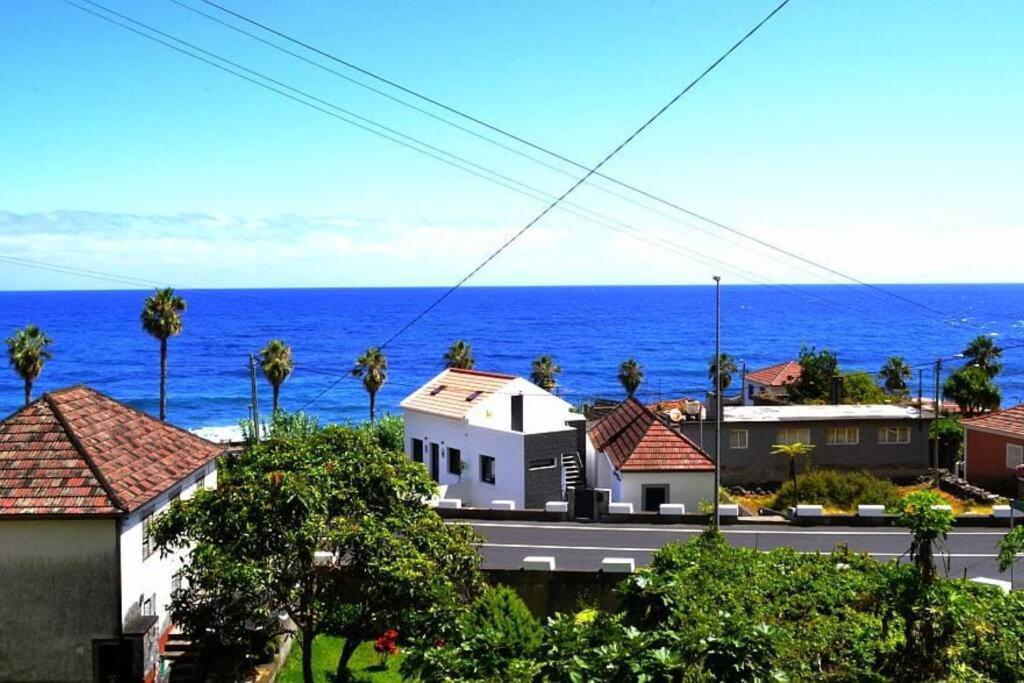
x: 654, y: 495
x: 106, y: 661
x: 435, y: 461
x: 583, y: 503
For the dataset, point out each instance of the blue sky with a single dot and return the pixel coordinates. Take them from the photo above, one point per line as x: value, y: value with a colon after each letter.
x: 881, y: 138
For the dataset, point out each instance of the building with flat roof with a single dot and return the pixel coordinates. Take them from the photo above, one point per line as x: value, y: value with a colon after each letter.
x: 887, y: 440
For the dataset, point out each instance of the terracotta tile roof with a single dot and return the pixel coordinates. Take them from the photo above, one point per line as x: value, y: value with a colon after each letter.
x: 1010, y: 420
x: 636, y: 440
x: 77, y: 451
x: 454, y: 392
x: 776, y: 375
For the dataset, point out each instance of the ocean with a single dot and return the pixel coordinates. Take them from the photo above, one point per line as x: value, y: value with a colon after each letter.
x: 589, y: 330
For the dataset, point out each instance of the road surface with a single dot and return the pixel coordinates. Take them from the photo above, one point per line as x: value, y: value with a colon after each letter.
x: 581, y: 546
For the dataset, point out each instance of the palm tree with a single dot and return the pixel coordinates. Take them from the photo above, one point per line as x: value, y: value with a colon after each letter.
x: 894, y: 374
x: 631, y: 375
x: 792, y: 451
x: 161, y: 318
x: 726, y: 366
x: 276, y: 360
x: 28, y: 350
x: 459, y: 355
x: 543, y: 372
x: 983, y: 352
x: 372, y: 366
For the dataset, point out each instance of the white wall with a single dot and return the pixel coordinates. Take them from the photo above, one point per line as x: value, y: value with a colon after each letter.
x: 542, y: 411
x: 506, y: 447
x: 688, y: 488
x: 153, y: 575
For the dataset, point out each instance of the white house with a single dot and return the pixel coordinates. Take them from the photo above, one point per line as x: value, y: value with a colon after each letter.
x: 643, y: 461
x: 83, y: 594
x: 485, y: 436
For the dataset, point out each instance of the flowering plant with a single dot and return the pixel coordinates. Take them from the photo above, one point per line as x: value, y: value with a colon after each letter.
x: 386, y: 644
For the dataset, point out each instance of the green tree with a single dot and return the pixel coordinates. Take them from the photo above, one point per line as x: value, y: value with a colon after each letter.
x: 161, y: 319
x: 327, y: 526
x: 543, y: 372
x: 724, y: 366
x: 894, y: 375
x: 459, y: 355
x: 859, y: 388
x: 631, y: 375
x: 793, y: 451
x: 372, y: 367
x: 276, y: 361
x: 973, y: 390
x: 929, y: 523
x: 983, y: 353
x: 28, y: 349
x: 818, y: 370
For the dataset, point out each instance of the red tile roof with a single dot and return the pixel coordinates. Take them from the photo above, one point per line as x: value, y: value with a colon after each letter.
x: 79, y: 452
x: 776, y: 375
x: 1010, y: 420
x: 636, y: 440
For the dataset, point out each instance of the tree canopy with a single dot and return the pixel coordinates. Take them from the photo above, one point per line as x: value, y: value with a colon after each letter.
x: 818, y: 372
x: 329, y: 527
x: 631, y: 375
x: 982, y: 352
x: 544, y: 372
x: 459, y: 355
x: 973, y: 390
x: 860, y: 388
x: 894, y: 375
x: 28, y: 349
x: 277, y: 365
x: 723, y: 366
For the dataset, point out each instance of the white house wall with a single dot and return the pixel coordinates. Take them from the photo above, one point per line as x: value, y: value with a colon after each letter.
x: 688, y: 488
x: 153, y: 576
x: 542, y: 411
x: 505, y: 447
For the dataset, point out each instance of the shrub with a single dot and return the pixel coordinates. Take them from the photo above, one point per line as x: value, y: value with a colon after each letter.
x: 838, y: 489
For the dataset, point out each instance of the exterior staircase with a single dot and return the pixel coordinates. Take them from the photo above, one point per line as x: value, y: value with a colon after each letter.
x: 572, y: 469
x: 180, y: 656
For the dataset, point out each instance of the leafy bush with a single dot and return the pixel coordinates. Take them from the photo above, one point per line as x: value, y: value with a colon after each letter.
x: 839, y: 489
x: 497, y: 639
x: 389, y: 431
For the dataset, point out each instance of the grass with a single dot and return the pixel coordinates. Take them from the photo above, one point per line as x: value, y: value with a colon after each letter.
x: 364, y: 665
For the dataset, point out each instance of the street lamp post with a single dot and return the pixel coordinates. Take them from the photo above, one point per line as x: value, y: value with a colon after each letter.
x: 718, y: 397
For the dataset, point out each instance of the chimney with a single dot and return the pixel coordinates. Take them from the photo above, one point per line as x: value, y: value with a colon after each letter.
x: 517, y: 413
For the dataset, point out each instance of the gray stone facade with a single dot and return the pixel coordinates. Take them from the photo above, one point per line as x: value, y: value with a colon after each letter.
x: 543, y: 483
x: 756, y: 466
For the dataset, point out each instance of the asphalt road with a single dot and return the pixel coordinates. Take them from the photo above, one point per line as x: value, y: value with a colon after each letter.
x: 581, y: 546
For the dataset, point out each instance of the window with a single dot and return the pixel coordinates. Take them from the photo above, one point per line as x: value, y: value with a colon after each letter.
x: 147, y: 606
x: 175, y: 583
x: 542, y: 463
x: 417, y: 450
x: 487, y: 469
x: 739, y: 438
x: 147, y: 538
x: 788, y: 436
x: 437, y: 390
x: 1014, y: 455
x: 653, y: 496
x: 454, y: 461
x: 200, y: 481
x: 843, y: 436
x: 893, y: 435
x: 473, y: 396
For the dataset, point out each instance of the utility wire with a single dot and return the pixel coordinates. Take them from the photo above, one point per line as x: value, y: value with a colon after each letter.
x: 502, y: 131
x: 431, y: 151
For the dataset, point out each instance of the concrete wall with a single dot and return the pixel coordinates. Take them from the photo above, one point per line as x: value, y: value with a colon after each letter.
x: 755, y: 465
x: 58, y: 592
x: 985, y: 454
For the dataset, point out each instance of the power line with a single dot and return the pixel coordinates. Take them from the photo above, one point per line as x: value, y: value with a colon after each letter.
x: 505, y: 132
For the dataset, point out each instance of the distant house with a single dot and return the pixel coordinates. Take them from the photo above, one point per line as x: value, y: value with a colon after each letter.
x: 83, y: 593
x: 638, y: 455
x: 487, y: 436
x: 770, y: 383
x: 994, y: 448
x: 887, y: 440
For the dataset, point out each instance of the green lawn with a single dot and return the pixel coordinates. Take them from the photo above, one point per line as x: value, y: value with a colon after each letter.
x: 365, y: 663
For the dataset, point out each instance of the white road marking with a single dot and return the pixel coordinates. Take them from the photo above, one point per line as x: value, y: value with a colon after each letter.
x: 532, y: 546
x: 725, y: 530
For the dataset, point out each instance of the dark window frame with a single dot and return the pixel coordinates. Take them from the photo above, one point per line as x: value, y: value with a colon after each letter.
x: 454, y: 460
x: 644, y: 488
x: 484, y: 459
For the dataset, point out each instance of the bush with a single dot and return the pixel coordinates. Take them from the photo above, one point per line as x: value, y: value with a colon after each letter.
x: 833, y: 488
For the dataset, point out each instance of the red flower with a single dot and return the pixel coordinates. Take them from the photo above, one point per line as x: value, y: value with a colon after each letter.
x: 387, y: 642
x: 438, y: 642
